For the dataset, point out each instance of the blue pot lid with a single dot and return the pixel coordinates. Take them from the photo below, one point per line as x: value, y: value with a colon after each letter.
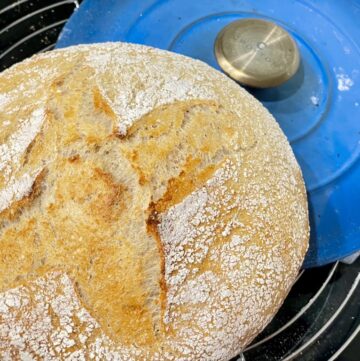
x: 318, y: 109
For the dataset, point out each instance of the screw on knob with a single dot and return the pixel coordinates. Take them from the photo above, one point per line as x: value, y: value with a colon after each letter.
x: 257, y: 53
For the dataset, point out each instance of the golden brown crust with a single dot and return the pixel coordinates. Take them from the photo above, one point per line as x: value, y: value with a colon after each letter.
x: 100, y: 104
x: 166, y: 206
x: 13, y: 212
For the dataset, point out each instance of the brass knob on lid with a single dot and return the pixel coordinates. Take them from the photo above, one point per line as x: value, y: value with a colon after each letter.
x: 257, y: 53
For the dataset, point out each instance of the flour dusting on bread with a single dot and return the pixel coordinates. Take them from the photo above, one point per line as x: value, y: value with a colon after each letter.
x: 10, y: 153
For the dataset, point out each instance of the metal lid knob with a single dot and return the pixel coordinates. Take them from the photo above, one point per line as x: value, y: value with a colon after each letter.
x: 257, y: 53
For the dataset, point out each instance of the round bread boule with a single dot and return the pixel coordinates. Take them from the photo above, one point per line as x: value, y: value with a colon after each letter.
x: 150, y: 208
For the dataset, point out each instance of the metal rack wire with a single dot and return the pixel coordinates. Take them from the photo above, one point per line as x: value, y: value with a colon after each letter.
x: 319, y: 320
x: 30, y: 26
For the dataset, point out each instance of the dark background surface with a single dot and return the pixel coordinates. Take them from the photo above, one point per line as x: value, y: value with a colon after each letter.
x: 320, y: 319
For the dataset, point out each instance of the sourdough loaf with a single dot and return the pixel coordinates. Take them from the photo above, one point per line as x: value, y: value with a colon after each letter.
x: 150, y: 209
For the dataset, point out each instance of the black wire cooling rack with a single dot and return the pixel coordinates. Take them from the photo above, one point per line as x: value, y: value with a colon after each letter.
x: 29, y: 27
x: 320, y: 319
